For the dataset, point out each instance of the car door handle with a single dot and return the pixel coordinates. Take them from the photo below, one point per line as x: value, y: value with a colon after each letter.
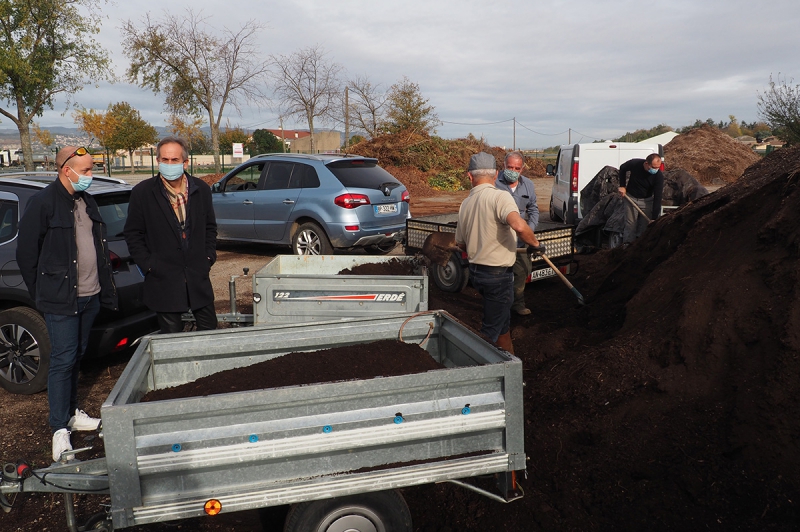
x: 288, y: 202
x: 247, y: 202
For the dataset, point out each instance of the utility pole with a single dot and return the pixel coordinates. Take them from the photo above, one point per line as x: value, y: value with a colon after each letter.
x: 569, y: 136
x: 283, y: 138
x: 515, y: 134
x: 346, y: 117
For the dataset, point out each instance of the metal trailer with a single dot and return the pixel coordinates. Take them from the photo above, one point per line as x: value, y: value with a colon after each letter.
x: 293, y: 288
x: 331, y: 449
x: 557, y: 237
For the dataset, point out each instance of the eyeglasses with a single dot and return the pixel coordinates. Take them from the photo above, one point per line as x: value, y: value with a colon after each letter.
x: 79, y: 152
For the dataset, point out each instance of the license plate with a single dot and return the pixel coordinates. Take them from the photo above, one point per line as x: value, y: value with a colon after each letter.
x: 541, y: 274
x: 387, y: 208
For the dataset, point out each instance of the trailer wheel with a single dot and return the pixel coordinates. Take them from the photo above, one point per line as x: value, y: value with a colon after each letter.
x: 99, y: 522
x: 24, y: 351
x: 451, y: 278
x: 310, y: 239
x: 382, y: 511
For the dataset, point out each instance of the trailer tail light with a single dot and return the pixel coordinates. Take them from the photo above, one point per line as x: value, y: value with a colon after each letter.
x: 351, y: 201
x: 212, y: 507
x: 573, y: 187
x: 406, y: 196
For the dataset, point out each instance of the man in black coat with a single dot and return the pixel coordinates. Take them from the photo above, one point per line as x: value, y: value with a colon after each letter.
x: 645, y: 187
x: 171, y: 233
x: 63, y: 257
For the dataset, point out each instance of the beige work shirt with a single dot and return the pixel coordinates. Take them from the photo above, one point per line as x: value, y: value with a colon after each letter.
x: 483, y: 226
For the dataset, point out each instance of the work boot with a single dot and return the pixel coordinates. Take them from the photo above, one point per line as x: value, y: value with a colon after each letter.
x: 504, y: 342
x: 522, y: 311
x: 61, y: 443
x: 82, y: 421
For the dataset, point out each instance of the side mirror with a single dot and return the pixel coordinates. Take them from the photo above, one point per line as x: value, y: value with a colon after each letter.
x: 216, y: 187
x: 551, y: 170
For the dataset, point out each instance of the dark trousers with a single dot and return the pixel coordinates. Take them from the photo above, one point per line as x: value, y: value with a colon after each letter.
x: 172, y: 322
x: 496, y: 285
x: 69, y: 336
x: 522, y: 269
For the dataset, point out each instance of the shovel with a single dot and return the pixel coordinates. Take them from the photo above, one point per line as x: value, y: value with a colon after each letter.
x: 438, y: 247
x: 558, y: 272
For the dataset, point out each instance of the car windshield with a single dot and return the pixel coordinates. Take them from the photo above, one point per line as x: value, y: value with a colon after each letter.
x: 114, y: 210
x: 361, y: 174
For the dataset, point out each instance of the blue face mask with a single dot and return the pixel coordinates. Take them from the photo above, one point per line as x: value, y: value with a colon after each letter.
x: 83, y: 181
x: 511, y: 176
x: 652, y: 170
x: 170, y: 172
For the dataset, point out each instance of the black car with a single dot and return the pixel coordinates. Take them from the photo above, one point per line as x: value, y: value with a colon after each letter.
x: 24, y: 343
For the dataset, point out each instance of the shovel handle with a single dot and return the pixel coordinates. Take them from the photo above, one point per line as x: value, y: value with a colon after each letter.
x: 558, y: 272
x: 637, y: 208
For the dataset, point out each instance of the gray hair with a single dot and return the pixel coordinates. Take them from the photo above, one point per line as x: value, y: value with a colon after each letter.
x: 514, y: 155
x: 173, y: 140
x: 483, y: 173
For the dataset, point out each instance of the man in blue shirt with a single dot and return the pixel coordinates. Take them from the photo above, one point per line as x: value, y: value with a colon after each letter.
x: 522, y: 190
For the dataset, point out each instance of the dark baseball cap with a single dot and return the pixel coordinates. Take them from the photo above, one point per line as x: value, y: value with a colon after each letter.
x: 482, y: 161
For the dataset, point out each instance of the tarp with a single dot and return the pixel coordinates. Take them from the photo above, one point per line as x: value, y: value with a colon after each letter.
x: 604, y: 208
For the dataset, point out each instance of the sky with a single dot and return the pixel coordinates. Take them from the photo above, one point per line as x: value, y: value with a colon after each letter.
x: 524, y: 73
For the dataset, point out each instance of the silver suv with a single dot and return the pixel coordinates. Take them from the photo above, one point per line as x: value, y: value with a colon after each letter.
x: 314, y: 203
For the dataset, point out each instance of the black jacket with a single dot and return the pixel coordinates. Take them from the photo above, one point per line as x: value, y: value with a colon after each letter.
x: 642, y: 184
x: 47, y: 251
x: 176, y: 269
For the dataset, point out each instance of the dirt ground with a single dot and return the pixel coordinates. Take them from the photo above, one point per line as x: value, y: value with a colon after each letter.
x: 667, y: 402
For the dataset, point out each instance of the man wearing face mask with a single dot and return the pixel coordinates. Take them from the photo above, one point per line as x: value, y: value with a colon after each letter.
x: 522, y: 190
x: 644, y: 186
x: 64, y: 260
x: 171, y: 233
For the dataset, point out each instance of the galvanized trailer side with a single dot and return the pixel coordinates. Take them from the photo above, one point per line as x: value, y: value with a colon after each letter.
x: 293, y: 288
x: 253, y: 449
x: 558, y: 238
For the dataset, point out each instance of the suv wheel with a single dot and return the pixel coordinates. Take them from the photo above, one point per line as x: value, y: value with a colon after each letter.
x: 310, y: 239
x: 24, y: 351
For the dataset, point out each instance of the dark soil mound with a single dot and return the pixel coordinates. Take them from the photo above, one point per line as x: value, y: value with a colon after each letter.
x: 708, y: 154
x: 383, y: 358
x: 669, y: 402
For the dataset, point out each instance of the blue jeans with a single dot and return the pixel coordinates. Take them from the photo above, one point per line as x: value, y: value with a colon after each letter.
x: 69, y: 336
x: 496, y: 285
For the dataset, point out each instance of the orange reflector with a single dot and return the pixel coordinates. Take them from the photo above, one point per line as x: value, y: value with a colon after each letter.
x: 513, y: 480
x: 212, y: 507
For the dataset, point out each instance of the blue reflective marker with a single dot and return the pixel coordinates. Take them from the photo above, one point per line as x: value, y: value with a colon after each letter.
x: 253, y: 438
x: 327, y: 428
x: 176, y: 447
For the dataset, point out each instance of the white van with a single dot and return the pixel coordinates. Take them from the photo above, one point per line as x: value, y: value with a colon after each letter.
x: 577, y: 164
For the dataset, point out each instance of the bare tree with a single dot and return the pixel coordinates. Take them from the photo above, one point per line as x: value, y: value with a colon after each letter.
x: 306, y: 86
x: 779, y: 107
x: 366, y: 105
x: 195, y: 66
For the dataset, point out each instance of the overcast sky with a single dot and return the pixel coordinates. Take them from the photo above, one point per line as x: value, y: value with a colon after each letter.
x: 596, y: 68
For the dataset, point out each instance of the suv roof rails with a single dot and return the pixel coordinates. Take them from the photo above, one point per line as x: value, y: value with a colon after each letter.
x: 316, y: 157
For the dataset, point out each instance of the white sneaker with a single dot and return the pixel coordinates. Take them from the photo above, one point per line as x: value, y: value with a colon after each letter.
x: 61, y: 443
x: 82, y: 421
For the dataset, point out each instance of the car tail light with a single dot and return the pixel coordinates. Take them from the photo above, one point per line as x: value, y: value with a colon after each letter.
x: 116, y: 262
x: 351, y: 228
x: 662, y: 165
x: 574, y: 184
x: 406, y: 196
x: 351, y: 201
x: 122, y: 344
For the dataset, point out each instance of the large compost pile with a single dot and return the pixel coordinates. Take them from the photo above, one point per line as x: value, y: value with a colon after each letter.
x: 708, y: 154
x: 669, y: 402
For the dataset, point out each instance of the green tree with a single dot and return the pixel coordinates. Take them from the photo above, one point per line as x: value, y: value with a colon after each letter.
x: 189, y: 129
x: 195, y: 66
x: 642, y: 134
x: 47, y: 50
x: 96, y: 124
x: 230, y: 136
x: 779, y: 106
x: 266, y: 142
x: 131, y: 131
x: 407, y: 110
